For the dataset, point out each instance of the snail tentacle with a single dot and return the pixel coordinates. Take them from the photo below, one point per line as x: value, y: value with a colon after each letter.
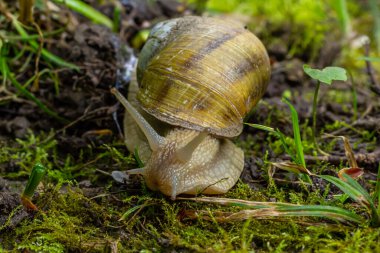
x: 138, y: 171
x: 155, y: 140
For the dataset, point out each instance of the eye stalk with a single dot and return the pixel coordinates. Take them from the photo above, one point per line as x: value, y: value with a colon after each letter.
x: 155, y: 140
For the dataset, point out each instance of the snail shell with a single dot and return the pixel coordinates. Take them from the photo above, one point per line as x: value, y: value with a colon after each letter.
x: 200, y: 76
x: 202, y: 73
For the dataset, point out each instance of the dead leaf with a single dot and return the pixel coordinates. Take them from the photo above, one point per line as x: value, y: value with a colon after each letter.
x: 352, y: 172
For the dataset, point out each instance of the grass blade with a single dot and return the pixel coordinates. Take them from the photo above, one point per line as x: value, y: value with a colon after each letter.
x: 87, y: 11
x: 352, y: 188
x: 357, y: 186
x: 237, y: 202
x: 347, y: 188
x: 45, y: 53
x: 12, y: 38
x: 330, y: 212
x: 279, y: 135
x: 296, y: 131
x: 130, y: 211
x: 7, y: 74
x: 262, y: 127
x: 262, y: 210
x: 375, y: 219
x: 292, y: 167
x: 374, y: 7
x: 376, y: 195
x: 140, y: 164
x: 343, y: 16
x: 297, y: 140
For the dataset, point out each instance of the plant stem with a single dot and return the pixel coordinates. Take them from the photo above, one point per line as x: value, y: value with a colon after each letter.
x: 373, y: 4
x: 26, y: 11
x: 314, y: 113
x: 344, y: 17
x: 354, y: 96
x: 377, y: 191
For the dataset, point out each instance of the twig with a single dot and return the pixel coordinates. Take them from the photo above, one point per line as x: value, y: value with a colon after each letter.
x: 371, y: 74
x: 368, y: 158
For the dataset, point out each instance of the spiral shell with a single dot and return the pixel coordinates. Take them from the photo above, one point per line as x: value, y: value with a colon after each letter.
x: 202, y: 73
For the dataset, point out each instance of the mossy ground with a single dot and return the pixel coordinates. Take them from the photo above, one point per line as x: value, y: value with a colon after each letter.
x: 73, y: 222
x: 81, y: 209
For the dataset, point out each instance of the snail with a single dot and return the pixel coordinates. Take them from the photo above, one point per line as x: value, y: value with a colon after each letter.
x: 198, y: 78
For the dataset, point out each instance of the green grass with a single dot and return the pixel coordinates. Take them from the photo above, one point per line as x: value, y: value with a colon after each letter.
x: 353, y: 189
x: 88, y: 11
x: 297, y: 157
x: 70, y: 221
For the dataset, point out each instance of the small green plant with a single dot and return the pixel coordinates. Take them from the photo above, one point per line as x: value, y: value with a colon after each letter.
x: 326, y: 76
x: 35, y: 178
x: 360, y: 195
x: 298, y: 158
x: 296, y: 133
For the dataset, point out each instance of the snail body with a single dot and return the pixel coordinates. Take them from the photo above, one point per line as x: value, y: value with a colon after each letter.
x: 200, y: 76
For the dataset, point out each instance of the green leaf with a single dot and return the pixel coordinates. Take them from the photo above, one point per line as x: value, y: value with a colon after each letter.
x: 326, y: 75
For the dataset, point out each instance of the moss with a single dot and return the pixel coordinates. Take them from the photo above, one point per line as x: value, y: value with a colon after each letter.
x: 69, y: 221
x: 66, y: 221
